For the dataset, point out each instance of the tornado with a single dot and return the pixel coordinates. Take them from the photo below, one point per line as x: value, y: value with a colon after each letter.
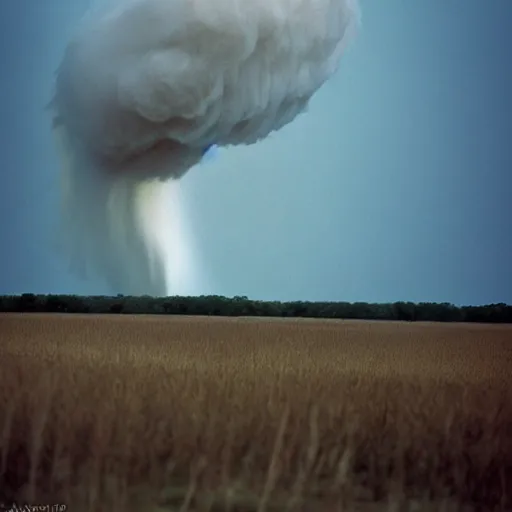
x: 146, y: 89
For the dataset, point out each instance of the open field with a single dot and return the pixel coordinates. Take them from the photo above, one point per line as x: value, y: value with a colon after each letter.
x: 155, y: 413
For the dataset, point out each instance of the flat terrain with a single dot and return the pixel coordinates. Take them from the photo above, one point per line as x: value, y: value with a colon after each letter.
x: 160, y: 413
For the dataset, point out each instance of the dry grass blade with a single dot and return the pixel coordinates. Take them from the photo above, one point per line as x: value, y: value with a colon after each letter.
x: 132, y: 414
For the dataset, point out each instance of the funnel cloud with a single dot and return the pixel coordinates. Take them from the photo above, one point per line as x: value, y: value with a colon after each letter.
x: 146, y: 90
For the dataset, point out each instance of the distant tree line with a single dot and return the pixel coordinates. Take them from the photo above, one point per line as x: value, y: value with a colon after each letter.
x: 215, y: 305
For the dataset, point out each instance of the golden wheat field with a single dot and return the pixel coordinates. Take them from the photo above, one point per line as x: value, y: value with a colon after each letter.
x: 154, y: 413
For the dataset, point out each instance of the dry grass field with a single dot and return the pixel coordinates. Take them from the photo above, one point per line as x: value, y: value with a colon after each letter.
x: 146, y: 413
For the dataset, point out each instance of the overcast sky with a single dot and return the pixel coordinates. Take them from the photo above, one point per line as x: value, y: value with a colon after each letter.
x: 396, y: 185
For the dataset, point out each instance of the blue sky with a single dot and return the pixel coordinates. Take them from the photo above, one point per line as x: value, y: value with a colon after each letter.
x: 396, y: 185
